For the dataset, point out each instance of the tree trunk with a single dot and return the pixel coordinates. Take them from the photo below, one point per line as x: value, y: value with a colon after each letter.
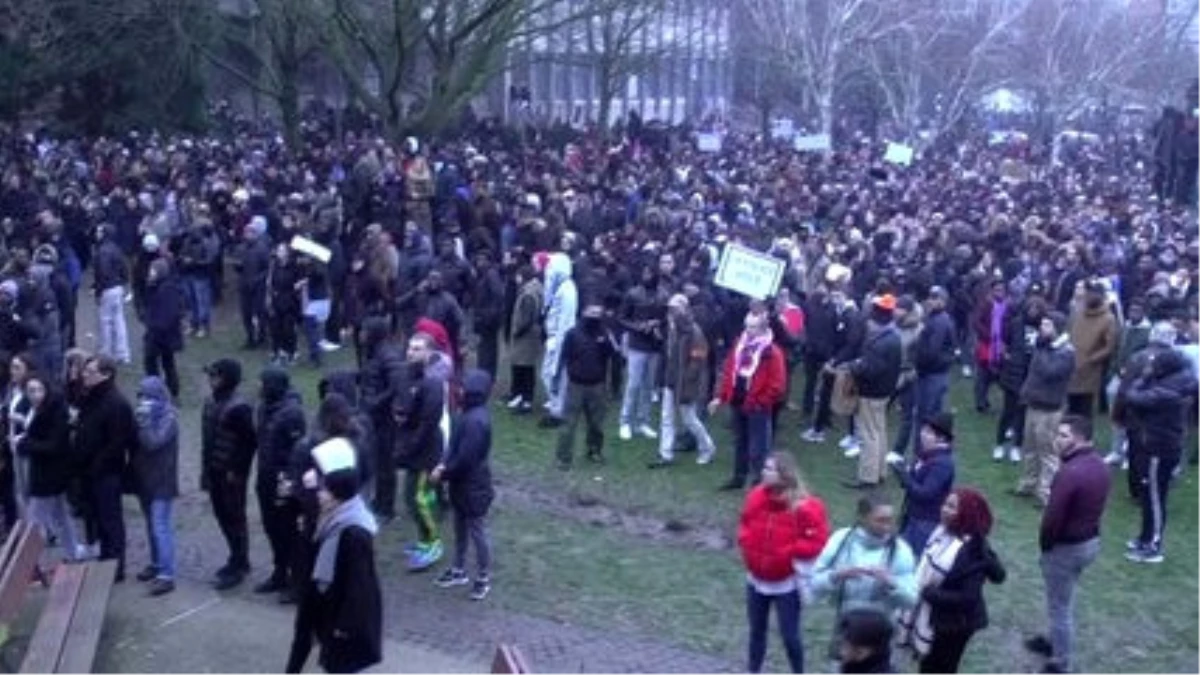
x: 825, y: 108
x: 289, y: 108
x: 764, y: 111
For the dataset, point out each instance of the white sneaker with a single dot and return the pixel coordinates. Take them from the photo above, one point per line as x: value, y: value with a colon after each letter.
x: 1124, y: 465
x: 626, y: 433
x: 895, y: 458
x: 705, y: 458
x: 327, y: 346
x: 515, y: 402
x: 646, y: 431
x: 654, y: 396
x: 1112, y: 458
x: 847, y: 441
x: 812, y: 436
x: 1014, y: 455
x: 967, y: 371
x: 998, y: 453
x: 852, y: 451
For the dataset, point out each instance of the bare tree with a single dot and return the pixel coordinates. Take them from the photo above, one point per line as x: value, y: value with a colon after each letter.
x: 265, y: 44
x: 818, y: 41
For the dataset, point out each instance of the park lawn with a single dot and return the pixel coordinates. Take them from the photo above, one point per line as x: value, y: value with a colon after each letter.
x: 554, y: 564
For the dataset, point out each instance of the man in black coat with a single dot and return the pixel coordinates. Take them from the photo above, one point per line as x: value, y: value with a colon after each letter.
x: 106, y: 437
x: 466, y: 469
x: 487, y: 299
x: 875, y: 372
x: 383, y: 374
x: 933, y: 356
x: 228, y: 441
x: 162, y: 314
x: 279, y: 425
x: 252, y: 264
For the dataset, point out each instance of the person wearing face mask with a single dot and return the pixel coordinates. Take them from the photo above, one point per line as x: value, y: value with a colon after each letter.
x: 866, y: 567
x: 752, y: 384
x: 586, y: 352
x: 1095, y: 336
x: 1044, y: 394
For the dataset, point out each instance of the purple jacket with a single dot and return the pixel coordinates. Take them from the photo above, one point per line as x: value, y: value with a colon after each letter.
x: 1077, y: 498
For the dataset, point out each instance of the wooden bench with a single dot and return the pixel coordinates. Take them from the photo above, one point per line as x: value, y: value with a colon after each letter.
x: 508, y: 659
x: 68, y: 631
x: 18, y: 567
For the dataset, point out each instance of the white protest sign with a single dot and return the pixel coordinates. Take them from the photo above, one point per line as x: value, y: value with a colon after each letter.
x: 708, y: 142
x: 783, y: 128
x: 312, y: 248
x: 898, y: 153
x: 813, y: 143
x: 749, y: 272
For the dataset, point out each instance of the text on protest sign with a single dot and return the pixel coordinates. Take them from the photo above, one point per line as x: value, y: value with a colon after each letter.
x: 898, y: 153
x: 708, y: 142
x: 749, y: 272
x: 312, y: 248
x: 813, y: 143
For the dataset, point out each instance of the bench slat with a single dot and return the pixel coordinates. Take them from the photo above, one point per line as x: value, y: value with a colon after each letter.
x: 46, y: 645
x: 18, y: 573
x: 79, y: 653
x: 509, y: 660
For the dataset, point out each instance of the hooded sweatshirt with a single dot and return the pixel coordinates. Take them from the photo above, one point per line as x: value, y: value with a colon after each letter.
x: 561, y: 306
x: 156, y: 459
x: 466, y: 464
x: 279, y: 423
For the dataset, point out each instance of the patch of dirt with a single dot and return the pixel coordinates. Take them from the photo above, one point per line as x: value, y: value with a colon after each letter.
x: 590, y: 509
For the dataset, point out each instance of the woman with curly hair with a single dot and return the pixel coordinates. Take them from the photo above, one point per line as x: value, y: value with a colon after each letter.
x: 956, y: 562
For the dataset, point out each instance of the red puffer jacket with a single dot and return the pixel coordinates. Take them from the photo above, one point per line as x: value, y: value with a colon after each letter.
x: 773, y: 536
x: 766, y: 387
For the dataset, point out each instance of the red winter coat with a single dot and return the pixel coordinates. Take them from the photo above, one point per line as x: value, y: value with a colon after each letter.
x: 767, y: 386
x: 772, y: 536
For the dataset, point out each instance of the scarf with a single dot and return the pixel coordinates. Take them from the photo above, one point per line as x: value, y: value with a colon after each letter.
x: 328, y: 536
x: 997, y: 330
x: 938, y: 558
x: 749, y: 352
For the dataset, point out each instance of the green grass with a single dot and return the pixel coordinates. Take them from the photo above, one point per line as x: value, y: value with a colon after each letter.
x: 552, y: 564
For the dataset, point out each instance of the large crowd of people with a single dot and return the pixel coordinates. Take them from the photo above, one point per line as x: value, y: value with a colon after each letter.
x: 1063, y: 283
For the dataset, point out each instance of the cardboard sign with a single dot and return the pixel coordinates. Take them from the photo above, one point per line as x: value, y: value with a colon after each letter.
x: 708, y: 142
x: 312, y: 248
x: 749, y: 272
x: 783, y: 129
x: 813, y: 143
x: 898, y: 153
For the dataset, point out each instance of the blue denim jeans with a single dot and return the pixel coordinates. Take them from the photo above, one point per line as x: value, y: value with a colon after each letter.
x: 199, y: 290
x: 640, y: 371
x: 752, y: 439
x: 313, y: 333
x: 161, y: 534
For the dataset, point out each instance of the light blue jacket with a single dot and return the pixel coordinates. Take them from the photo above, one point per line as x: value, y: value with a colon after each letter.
x: 864, y: 550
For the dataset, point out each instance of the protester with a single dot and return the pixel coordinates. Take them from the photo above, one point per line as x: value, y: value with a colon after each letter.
x: 864, y: 642
x: 156, y: 465
x: 927, y: 482
x: 106, y: 436
x: 1070, y: 536
x: 47, y: 444
x: 228, y: 442
x: 1044, y: 394
x: 341, y: 605
x: 525, y: 339
x: 782, y: 529
x: 586, y: 351
x: 1095, y: 337
x: 560, y: 304
x: 423, y: 414
x: 954, y: 566
x: 279, y: 424
x: 685, y: 383
x: 751, y: 384
x: 466, y: 467
x: 876, y: 372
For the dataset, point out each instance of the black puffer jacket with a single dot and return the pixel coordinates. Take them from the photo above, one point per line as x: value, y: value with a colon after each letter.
x: 279, y: 424
x: 1157, y: 403
x: 382, y: 372
x: 227, y: 435
x: 419, y: 408
x: 467, y: 468
x: 934, y: 351
x: 1020, y: 338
